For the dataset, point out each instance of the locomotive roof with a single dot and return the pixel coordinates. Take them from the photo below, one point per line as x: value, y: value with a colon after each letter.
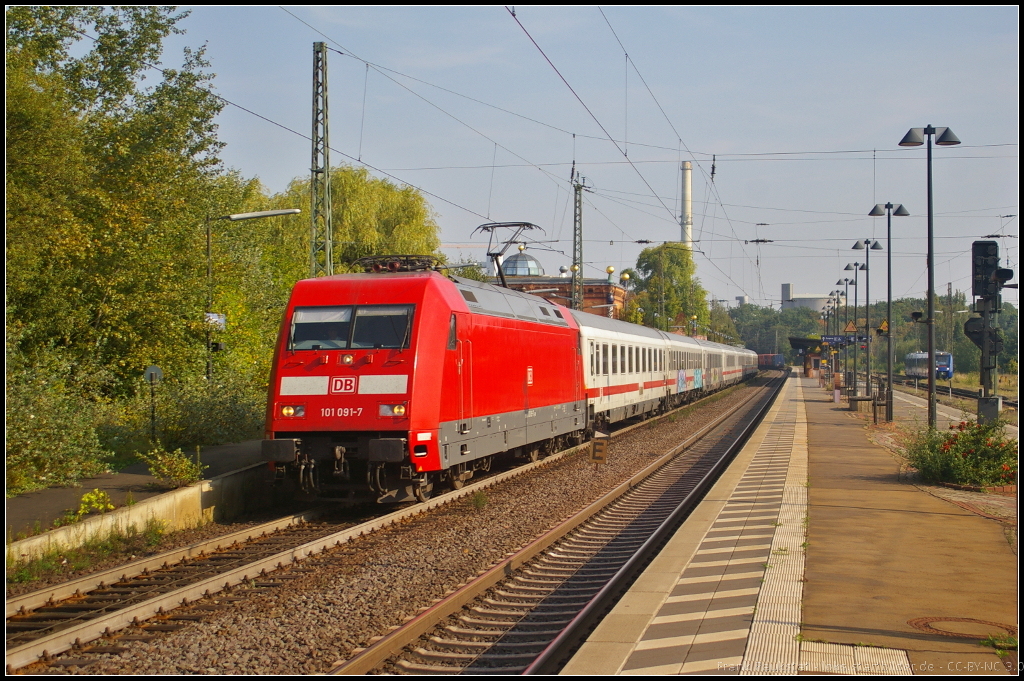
x: 483, y: 298
x: 506, y: 302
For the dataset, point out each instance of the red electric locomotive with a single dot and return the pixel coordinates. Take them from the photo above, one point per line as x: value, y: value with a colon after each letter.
x: 392, y: 384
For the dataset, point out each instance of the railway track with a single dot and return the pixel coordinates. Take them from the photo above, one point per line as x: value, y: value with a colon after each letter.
x: 946, y: 390
x: 943, y: 390
x: 85, y: 616
x: 529, y: 612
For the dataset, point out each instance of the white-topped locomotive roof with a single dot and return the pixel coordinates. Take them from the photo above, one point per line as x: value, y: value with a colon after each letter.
x: 504, y: 302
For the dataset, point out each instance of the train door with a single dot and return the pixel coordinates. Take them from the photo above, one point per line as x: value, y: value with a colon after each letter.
x: 606, y: 377
x: 465, y: 363
x: 577, y: 371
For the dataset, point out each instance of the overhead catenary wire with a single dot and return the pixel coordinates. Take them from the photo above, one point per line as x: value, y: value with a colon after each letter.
x: 385, y: 172
x: 583, y: 104
x: 308, y: 138
x: 696, y: 162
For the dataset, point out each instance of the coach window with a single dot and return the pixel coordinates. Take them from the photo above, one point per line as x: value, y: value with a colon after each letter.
x: 615, y: 359
x: 593, y: 371
x: 604, y: 359
x: 622, y: 359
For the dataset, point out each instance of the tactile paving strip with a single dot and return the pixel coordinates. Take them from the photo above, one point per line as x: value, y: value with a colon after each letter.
x: 705, y: 622
x: 774, y: 646
x: 735, y: 608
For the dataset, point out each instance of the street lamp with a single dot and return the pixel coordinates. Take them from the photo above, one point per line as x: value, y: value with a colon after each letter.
x: 234, y: 217
x: 856, y: 267
x: 889, y: 209
x: 915, y: 138
x: 867, y: 245
x: 846, y: 321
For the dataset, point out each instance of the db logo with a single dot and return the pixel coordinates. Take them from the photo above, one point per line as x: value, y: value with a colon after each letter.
x: 343, y: 384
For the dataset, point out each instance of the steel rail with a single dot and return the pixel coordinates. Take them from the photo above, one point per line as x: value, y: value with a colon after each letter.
x: 557, y: 653
x: 965, y: 393
x: 368, y: 659
x: 56, y: 592
x: 65, y: 639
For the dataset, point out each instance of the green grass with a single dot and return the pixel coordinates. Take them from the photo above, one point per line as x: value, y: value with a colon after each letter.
x: 56, y: 562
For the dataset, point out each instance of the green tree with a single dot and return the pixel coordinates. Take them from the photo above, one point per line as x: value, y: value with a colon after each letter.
x: 767, y: 331
x: 370, y: 216
x: 722, y: 328
x: 665, y: 275
x: 107, y: 185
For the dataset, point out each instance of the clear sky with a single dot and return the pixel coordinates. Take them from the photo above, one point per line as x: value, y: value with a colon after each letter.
x: 802, y: 107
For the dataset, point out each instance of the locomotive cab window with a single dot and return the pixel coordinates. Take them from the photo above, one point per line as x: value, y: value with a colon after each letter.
x: 315, y: 328
x: 382, y: 326
x: 332, y: 328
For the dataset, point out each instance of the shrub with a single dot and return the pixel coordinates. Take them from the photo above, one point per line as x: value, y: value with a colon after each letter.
x: 188, y: 413
x: 51, y: 438
x: 968, y: 453
x: 173, y: 468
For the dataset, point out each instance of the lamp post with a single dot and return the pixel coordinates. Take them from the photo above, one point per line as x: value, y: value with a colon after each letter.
x: 867, y: 245
x: 889, y: 209
x: 915, y: 138
x: 856, y: 267
x: 846, y: 320
x: 209, y: 268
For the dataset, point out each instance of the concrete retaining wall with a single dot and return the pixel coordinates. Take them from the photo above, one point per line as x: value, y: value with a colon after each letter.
x: 220, y: 499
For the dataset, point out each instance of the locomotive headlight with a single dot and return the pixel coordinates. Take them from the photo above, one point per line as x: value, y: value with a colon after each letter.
x: 347, y: 360
x: 291, y: 411
x: 392, y: 410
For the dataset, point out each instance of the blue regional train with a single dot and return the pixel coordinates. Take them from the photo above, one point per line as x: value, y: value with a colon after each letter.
x: 917, y: 365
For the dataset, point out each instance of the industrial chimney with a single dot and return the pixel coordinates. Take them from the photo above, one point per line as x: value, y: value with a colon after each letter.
x: 686, y: 217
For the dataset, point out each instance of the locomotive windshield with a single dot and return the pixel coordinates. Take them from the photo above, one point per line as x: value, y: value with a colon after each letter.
x: 333, y: 328
x: 382, y: 326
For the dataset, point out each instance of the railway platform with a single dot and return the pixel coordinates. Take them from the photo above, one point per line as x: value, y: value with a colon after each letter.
x: 813, y: 554
x: 33, y: 511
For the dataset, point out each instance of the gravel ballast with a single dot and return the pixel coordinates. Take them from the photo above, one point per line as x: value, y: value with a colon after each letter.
x: 349, y: 595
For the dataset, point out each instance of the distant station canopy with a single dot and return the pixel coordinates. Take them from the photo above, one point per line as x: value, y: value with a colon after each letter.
x: 522, y: 265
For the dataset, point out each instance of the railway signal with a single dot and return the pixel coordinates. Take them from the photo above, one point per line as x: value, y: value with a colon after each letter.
x: 988, y: 279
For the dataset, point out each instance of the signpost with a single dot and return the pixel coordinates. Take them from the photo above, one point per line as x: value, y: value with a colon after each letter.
x: 153, y: 375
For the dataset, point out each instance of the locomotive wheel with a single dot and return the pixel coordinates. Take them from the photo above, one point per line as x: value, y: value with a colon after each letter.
x: 423, y: 488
